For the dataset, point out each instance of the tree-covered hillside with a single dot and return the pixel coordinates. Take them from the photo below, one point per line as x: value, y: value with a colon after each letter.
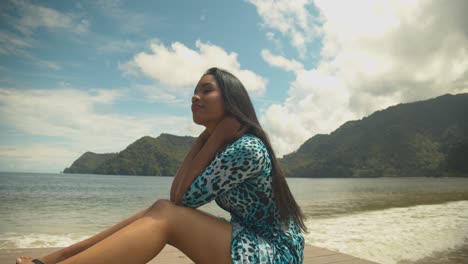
x: 427, y: 138
x: 88, y: 162
x: 146, y: 156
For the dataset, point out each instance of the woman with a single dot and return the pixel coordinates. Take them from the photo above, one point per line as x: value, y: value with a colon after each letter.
x: 231, y: 161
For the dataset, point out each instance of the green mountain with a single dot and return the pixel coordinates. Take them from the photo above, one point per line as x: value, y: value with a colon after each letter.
x: 426, y: 138
x: 146, y: 156
x: 88, y: 162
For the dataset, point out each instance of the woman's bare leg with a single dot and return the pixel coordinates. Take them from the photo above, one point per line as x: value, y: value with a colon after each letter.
x: 78, y: 247
x: 203, y: 238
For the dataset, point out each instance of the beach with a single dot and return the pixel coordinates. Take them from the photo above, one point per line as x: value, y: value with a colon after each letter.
x: 385, y: 220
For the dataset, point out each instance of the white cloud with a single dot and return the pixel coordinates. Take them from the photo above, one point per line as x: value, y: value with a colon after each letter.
x: 281, y: 62
x: 25, y: 18
x: 316, y: 104
x: 119, y: 46
x: 129, y: 69
x: 13, y: 44
x: 273, y: 38
x: 36, y: 158
x: 48, y: 64
x: 128, y: 20
x: 402, y: 50
x: 72, y: 117
x: 30, y: 17
x: 374, y: 54
x: 178, y: 67
x: 292, y: 19
x: 162, y: 94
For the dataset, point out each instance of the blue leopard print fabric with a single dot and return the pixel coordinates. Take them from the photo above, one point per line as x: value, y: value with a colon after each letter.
x: 240, y: 182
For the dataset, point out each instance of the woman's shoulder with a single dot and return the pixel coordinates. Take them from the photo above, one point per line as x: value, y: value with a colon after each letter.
x: 247, y: 143
x: 248, y: 149
x: 249, y: 140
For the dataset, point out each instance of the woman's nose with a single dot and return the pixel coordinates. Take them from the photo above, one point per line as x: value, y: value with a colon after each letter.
x: 195, y: 98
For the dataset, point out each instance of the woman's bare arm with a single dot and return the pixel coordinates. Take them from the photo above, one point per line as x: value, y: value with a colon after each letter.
x: 228, y: 130
x: 196, y: 147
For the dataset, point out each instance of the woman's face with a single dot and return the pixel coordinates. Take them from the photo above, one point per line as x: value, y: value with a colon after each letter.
x: 207, y: 103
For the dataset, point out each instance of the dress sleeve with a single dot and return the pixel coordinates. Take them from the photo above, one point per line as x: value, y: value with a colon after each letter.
x: 243, y: 159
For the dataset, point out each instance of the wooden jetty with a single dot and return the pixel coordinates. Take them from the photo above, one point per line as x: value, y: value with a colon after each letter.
x: 171, y: 255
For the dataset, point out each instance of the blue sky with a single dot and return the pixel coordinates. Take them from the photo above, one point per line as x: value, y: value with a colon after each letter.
x: 79, y: 76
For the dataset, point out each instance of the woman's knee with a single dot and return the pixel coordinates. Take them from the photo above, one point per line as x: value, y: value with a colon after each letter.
x: 161, y: 209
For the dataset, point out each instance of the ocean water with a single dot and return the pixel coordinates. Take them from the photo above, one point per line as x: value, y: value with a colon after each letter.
x: 387, y: 220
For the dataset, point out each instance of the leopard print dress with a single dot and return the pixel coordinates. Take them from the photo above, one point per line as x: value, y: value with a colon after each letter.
x: 240, y: 181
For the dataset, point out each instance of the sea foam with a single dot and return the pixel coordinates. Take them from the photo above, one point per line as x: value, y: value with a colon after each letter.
x: 394, y: 235
x: 37, y: 240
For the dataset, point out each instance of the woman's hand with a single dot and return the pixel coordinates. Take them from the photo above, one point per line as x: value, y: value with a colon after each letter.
x: 228, y: 130
x: 175, y: 196
x: 203, y: 137
x: 203, y: 152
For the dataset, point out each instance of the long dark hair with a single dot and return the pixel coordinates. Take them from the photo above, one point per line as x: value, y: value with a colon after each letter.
x: 238, y: 104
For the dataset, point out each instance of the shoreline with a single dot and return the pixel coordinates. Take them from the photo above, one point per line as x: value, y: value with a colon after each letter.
x: 292, y: 177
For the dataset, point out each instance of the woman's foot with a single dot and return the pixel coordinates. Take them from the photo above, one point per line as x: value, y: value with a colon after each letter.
x: 24, y: 260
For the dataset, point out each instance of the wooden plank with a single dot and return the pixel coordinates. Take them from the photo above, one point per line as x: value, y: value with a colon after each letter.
x: 171, y: 255
x: 317, y: 255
